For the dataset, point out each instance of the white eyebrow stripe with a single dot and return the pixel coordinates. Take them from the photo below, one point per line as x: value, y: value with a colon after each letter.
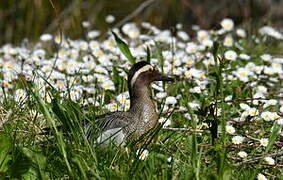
x: 141, y: 70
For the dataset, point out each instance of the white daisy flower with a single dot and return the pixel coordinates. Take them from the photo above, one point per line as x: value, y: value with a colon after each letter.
x: 142, y: 153
x: 253, y: 112
x: 227, y: 24
x: 196, y: 89
x: 46, y: 37
x: 166, y: 121
x: 230, y: 129
x: 202, y: 35
x: 270, y: 31
x: 266, y: 57
x: 269, y: 160
x: 241, y: 33
x: 161, y: 95
x: 191, y: 48
x: 170, y: 100
x: 261, y: 89
x: 244, y: 57
x: 244, y: 106
x: 131, y: 30
x: 237, y: 139
x: 109, y: 18
x: 194, y: 105
x: 183, y: 35
x: 228, y: 41
x: 261, y: 177
x: 85, y: 24
x: 267, y: 116
x: 230, y: 55
x: 271, y: 102
x: 108, y: 85
x: 93, y: 34
x: 242, y: 154
x: 280, y: 121
x: 264, y: 142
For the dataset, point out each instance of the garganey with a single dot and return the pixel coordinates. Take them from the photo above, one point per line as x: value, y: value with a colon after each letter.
x: 121, y: 126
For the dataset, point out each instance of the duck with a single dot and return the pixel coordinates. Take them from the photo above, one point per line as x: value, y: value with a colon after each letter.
x: 120, y: 126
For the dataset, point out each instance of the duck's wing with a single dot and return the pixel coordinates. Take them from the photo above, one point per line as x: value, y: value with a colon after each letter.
x: 113, y: 120
x: 110, y: 126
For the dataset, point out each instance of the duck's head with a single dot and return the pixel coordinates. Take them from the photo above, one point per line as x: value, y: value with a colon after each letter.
x: 142, y: 73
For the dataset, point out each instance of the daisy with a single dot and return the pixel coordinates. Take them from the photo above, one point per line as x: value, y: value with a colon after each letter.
x: 170, y: 100
x: 264, y: 142
x: 242, y: 154
x: 109, y: 18
x: 227, y: 24
x: 142, y: 154
x: 261, y: 177
x: 230, y: 129
x: 46, y: 37
x: 269, y: 160
x: 230, y: 55
x: 237, y: 139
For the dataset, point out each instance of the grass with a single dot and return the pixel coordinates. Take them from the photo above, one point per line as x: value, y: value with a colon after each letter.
x: 192, y: 148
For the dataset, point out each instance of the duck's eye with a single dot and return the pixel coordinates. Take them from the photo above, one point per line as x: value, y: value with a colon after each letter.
x: 154, y: 68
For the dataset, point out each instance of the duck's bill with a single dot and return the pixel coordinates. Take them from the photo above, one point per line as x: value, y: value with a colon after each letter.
x: 162, y: 77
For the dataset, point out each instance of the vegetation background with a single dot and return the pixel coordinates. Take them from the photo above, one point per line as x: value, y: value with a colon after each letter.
x: 25, y: 153
x: 31, y: 18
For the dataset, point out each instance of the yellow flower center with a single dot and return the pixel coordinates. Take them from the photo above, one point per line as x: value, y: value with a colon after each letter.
x: 243, y: 73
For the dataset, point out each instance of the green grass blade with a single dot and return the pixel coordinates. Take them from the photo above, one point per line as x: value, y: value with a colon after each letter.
x: 39, y: 161
x: 46, y: 111
x: 5, y: 148
x: 276, y: 129
x: 124, y: 48
x: 159, y: 56
x: 21, y: 165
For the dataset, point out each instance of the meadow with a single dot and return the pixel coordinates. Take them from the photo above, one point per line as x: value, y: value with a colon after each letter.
x: 220, y: 119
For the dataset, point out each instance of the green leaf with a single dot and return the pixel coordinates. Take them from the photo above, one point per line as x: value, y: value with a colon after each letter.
x: 5, y: 149
x: 159, y: 56
x: 21, y: 165
x: 81, y: 168
x: 115, y: 76
x: 39, y: 160
x: 276, y: 129
x: 60, y: 112
x: 124, y: 48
